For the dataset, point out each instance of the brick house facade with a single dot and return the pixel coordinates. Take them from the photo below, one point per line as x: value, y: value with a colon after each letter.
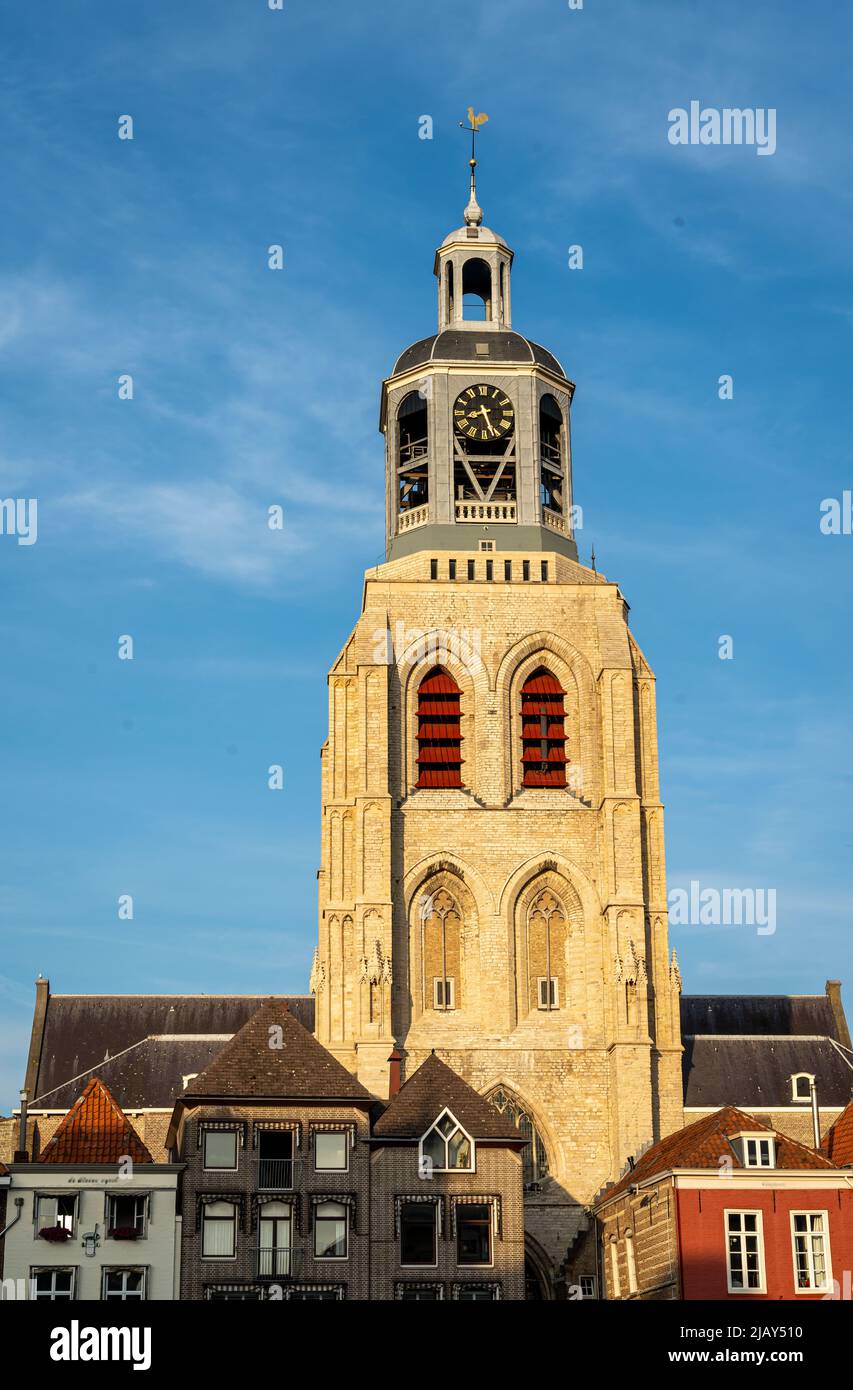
x: 300, y: 1185
x: 727, y: 1209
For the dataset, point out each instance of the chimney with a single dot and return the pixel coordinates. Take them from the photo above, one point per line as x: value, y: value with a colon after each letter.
x: 21, y: 1155
x: 833, y: 992
x: 394, y: 1062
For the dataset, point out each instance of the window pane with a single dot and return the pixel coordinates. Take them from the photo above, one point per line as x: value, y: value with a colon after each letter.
x: 218, y: 1230
x: 459, y: 1151
x: 330, y: 1231
x: 434, y: 1149
x: 330, y: 1151
x: 417, y: 1234
x: 473, y: 1224
x: 220, y: 1148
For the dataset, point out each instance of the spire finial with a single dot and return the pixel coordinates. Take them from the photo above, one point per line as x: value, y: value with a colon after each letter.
x: 473, y: 212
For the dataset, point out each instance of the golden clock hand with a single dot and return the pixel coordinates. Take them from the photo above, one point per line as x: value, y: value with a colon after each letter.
x: 483, y: 411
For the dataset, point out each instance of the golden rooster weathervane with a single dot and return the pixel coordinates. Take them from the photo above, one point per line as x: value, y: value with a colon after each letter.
x: 473, y: 215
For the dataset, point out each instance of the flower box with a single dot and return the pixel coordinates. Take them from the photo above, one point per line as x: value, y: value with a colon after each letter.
x: 123, y: 1233
x: 55, y: 1233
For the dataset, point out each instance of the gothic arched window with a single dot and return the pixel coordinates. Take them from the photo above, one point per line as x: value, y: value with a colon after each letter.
x: 551, y: 468
x: 543, y: 733
x: 439, y: 731
x: 546, y: 952
x: 412, y: 452
x: 442, y: 925
x: 534, y: 1155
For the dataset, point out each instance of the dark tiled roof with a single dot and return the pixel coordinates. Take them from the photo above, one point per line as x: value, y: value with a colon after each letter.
x: 83, y: 1030
x: 838, y: 1143
x: 422, y: 1098
x: 248, y: 1066
x: 147, y: 1075
x: 95, y: 1130
x: 702, y: 1144
x: 460, y: 345
x: 757, y: 1071
x: 797, y: 1014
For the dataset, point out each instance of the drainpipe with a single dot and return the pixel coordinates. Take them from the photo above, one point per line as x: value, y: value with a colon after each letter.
x: 815, y: 1115
x: 19, y: 1203
x: 21, y: 1155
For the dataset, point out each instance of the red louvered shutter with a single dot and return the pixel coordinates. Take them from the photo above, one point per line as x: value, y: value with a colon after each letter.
x: 439, y: 731
x: 543, y: 731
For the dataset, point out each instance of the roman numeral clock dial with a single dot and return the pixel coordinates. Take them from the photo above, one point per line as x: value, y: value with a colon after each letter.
x: 483, y: 412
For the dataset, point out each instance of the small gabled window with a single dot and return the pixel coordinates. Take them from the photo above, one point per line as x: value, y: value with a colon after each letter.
x: 758, y: 1151
x: 801, y: 1086
x: 446, y: 1148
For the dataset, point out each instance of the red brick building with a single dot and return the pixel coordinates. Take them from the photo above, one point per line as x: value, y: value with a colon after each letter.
x: 727, y: 1209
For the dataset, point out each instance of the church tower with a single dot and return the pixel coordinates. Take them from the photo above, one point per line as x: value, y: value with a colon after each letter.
x: 492, y: 883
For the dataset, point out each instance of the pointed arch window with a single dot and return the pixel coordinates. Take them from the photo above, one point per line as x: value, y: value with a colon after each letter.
x: 439, y: 731
x: 442, y: 923
x: 534, y: 1155
x: 543, y: 733
x: 446, y: 1147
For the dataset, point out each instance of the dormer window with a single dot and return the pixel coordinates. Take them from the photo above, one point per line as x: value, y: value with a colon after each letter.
x: 759, y: 1150
x: 446, y: 1147
x: 801, y: 1086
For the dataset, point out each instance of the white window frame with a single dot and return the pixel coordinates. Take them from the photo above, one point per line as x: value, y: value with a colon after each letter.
x: 472, y: 1167
x: 333, y: 1259
x: 801, y: 1076
x: 554, y: 1002
x: 321, y: 1132
x: 462, y: 1265
x: 123, y: 1298
x: 217, y: 1168
x: 827, y: 1251
x: 592, y: 1284
x: 226, y: 1201
x: 137, y: 1197
x: 39, y: 1225
x: 759, y: 1234
x: 53, y: 1270
x: 433, y: 1206
x: 437, y: 984
x: 748, y: 1140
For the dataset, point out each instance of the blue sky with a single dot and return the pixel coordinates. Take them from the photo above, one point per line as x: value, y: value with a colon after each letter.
x: 251, y: 388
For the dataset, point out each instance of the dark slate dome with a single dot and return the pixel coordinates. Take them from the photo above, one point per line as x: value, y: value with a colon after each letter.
x: 454, y: 346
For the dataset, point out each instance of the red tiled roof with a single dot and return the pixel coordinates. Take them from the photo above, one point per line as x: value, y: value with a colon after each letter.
x: 702, y: 1144
x: 95, y: 1130
x: 838, y: 1142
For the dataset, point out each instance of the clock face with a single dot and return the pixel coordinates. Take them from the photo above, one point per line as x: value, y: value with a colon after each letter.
x: 482, y: 413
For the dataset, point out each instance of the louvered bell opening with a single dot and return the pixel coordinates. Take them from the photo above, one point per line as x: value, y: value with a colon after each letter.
x: 543, y: 732
x: 439, y: 731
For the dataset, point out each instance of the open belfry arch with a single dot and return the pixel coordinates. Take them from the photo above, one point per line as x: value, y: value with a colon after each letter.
x: 493, y: 882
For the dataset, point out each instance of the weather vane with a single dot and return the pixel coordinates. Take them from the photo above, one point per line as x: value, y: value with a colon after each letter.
x: 473, y: 215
